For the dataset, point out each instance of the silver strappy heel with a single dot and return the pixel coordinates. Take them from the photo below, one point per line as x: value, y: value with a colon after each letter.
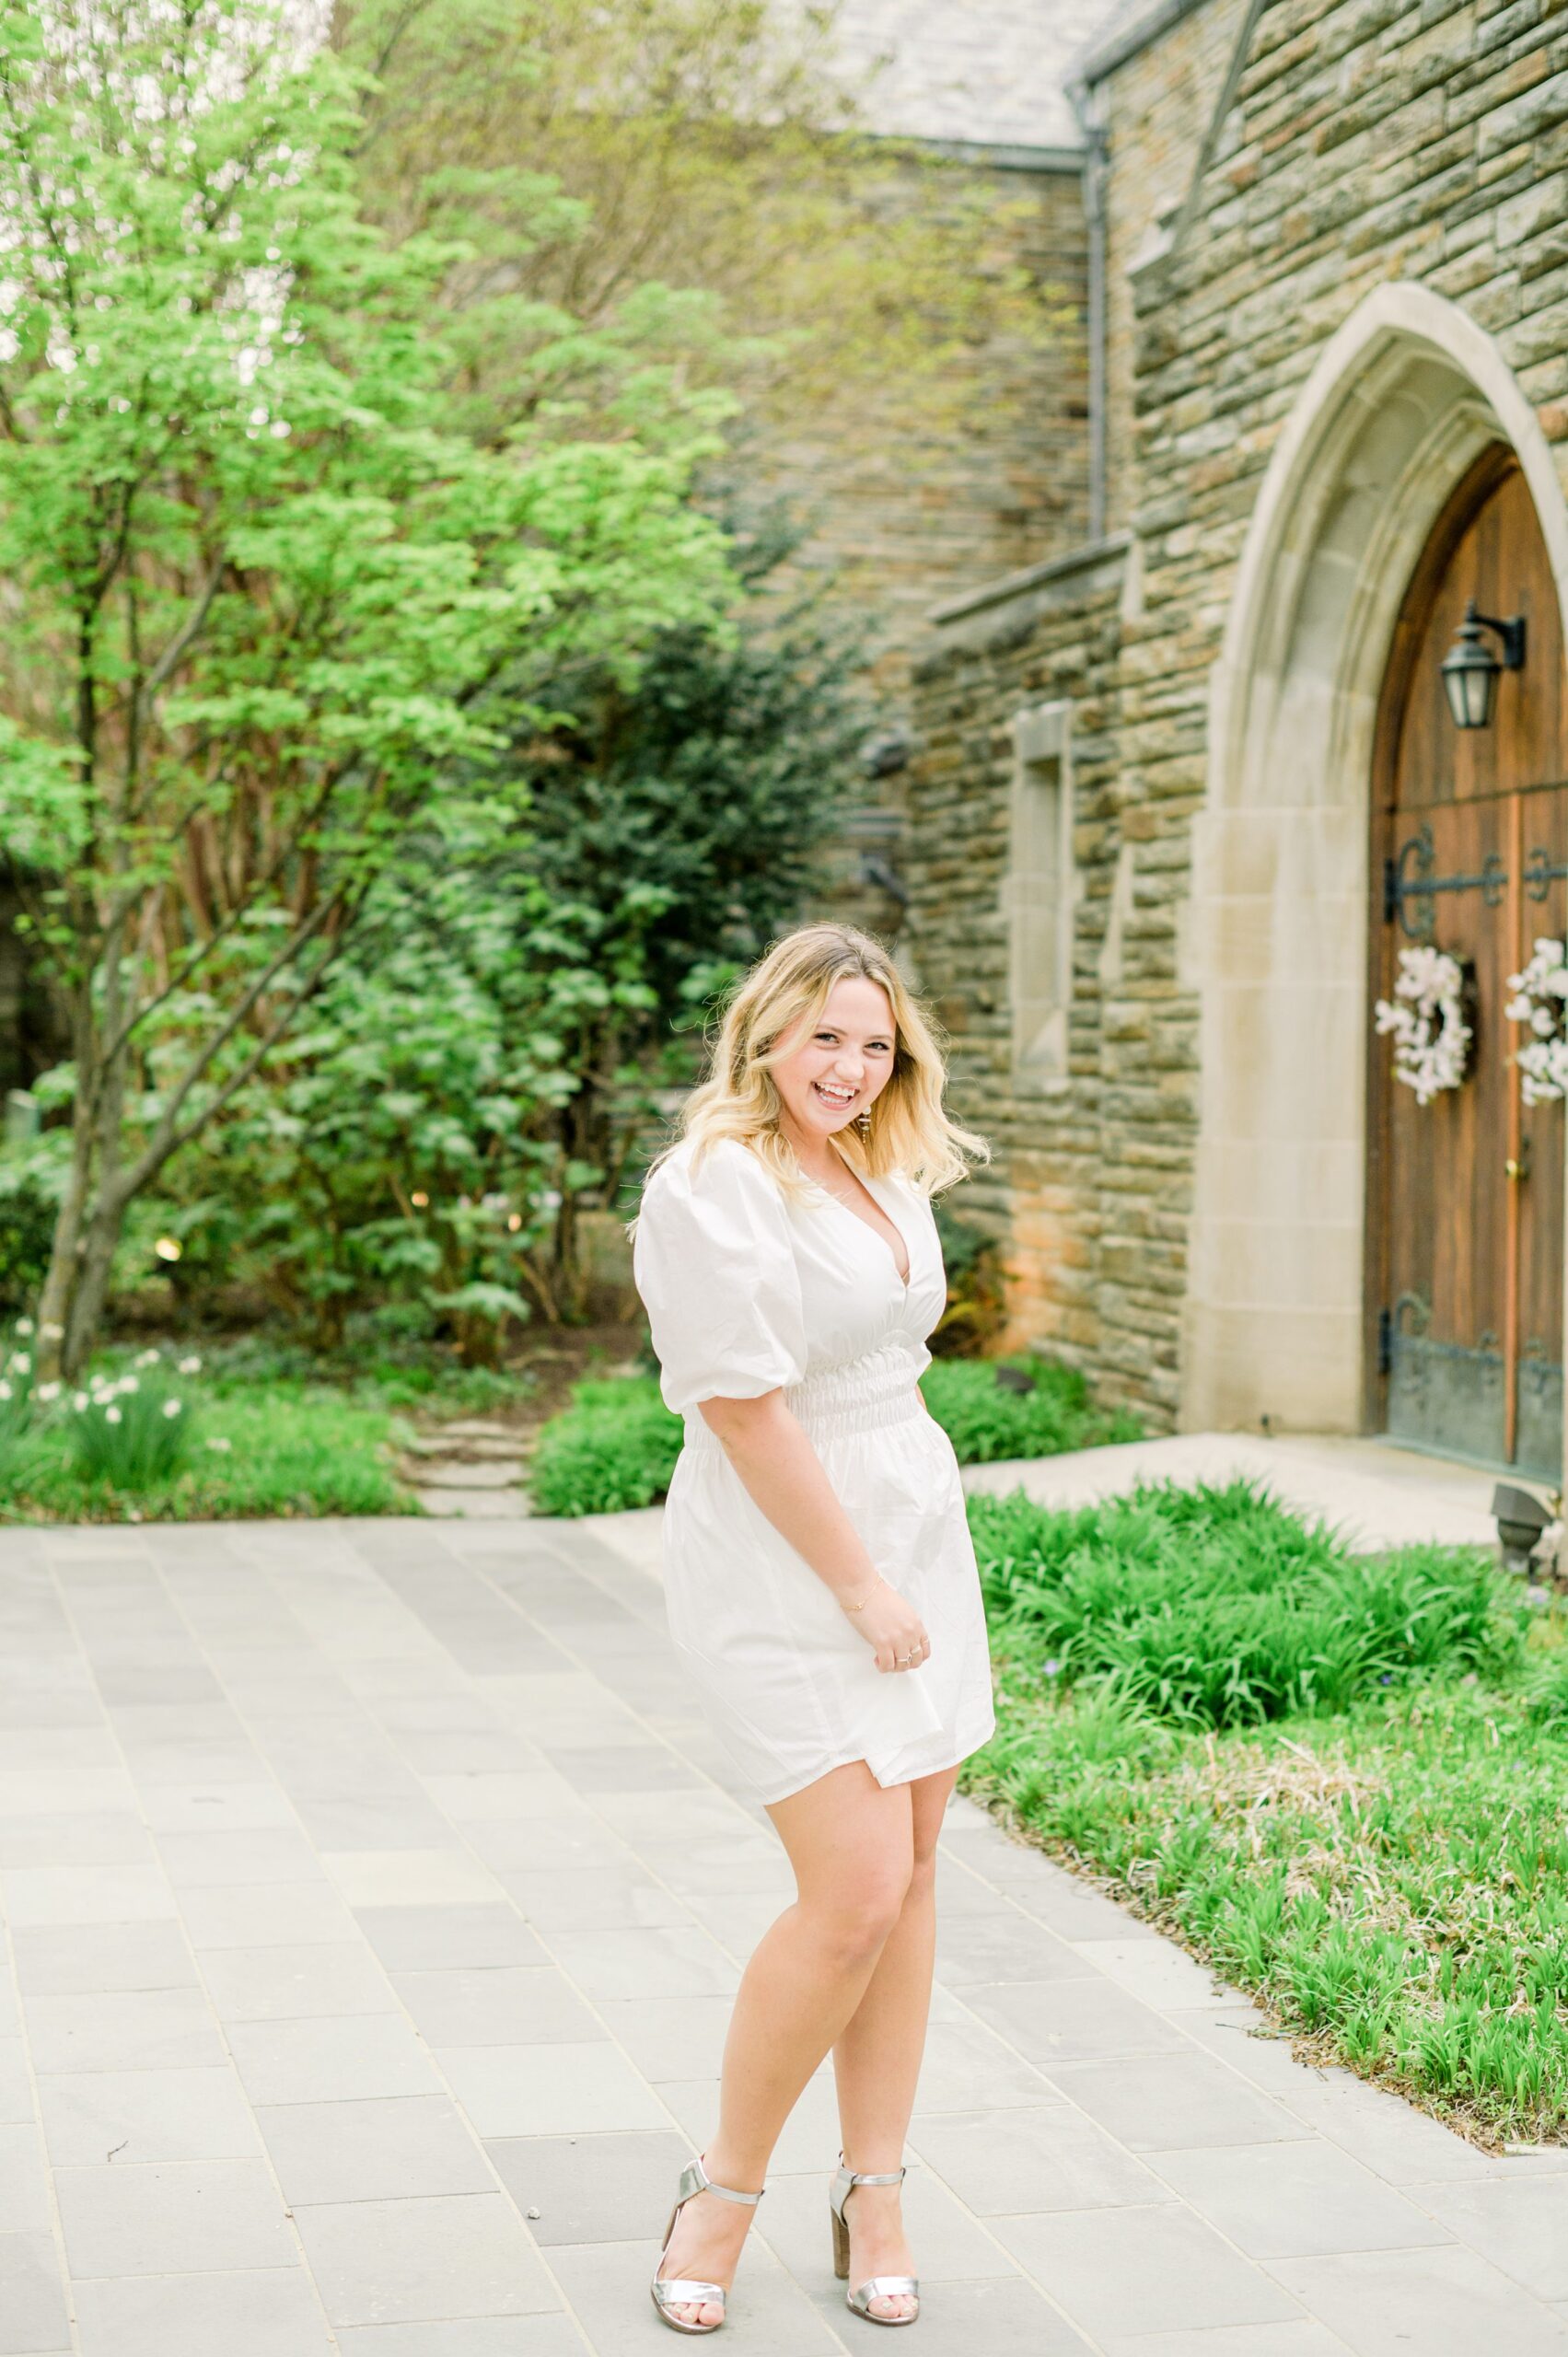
x: 876, y: 2287
x: 684, y: 2291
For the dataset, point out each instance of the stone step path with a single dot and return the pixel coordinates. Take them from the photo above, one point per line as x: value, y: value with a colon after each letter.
x: 474, y: 1469
x: 373, y: 1903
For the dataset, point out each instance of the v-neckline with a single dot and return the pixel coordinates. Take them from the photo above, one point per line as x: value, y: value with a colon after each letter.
x: 902, y: 1282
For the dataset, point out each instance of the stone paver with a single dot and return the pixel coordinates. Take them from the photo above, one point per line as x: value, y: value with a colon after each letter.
x: 1374, y: 1495
x: 373, y: 1898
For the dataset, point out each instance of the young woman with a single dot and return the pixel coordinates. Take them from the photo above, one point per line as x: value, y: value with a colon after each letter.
x: 821, y: 1587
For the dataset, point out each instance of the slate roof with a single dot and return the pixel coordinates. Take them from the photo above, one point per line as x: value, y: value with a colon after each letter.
x: 992, y: 72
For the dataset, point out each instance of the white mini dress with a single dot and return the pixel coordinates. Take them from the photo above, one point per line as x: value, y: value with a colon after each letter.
x: 749, y: 1290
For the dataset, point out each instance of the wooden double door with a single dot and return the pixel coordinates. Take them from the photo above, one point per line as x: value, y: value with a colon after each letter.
x: 1465, y: 1261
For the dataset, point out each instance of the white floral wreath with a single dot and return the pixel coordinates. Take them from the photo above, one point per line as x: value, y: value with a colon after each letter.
x: 1540, y: 995
x: 1432, y: 1040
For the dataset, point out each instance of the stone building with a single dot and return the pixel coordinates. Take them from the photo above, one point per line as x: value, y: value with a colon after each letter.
x: 1189, y: 795
x: 907, y: 506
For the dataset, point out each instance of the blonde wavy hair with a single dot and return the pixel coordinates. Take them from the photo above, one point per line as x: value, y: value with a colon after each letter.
x: 905, y: 1129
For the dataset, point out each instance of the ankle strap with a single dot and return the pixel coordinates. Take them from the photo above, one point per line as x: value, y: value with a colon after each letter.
x: 862, y: 2176
x: 702, y: 2183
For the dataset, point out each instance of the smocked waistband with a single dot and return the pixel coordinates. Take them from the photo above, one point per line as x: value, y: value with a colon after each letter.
x: 857, y: 1396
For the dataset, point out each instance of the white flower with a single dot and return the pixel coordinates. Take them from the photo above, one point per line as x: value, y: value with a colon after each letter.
x: 193, y: 1365
x: 79, y: 1401
x: 171, y: 1407
x: 112, y: 1416
x: 53, y: 1333
x: 1432, y: 1039
x: 18, y: 1363
x: 127, y: 1383
x: 224, y: 1445
x: 48, y: 1391
x: 24, y: 1325
x: 1540, y: 990
x: 5, y: 1389
x: 146, y: 1358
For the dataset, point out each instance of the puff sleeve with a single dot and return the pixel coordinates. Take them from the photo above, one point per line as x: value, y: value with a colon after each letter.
x: 715, y: 1268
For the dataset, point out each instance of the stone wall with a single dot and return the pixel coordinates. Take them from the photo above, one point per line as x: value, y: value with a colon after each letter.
x: 1370, y: 141
x: 907, y: 509
x: 1156, y: 108
x: 1081, y: 1234
x: 1369, y: 145
x: 1091, y: 1183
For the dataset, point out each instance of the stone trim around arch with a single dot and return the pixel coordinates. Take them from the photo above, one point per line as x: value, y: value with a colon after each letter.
x: 1399, y: 403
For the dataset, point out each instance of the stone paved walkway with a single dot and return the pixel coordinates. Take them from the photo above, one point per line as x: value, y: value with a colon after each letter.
x: 373, y: 1905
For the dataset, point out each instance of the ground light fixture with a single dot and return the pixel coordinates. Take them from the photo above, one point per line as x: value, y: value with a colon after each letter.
x: 1470, y: 668
x: 1521, y: 1517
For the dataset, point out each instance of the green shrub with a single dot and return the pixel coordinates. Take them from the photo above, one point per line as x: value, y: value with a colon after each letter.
x: 28, y: 1213
x: 987, y: 1417
x: 1215, y: 1608
x: 615, y: 1446
x: 368, y: 1368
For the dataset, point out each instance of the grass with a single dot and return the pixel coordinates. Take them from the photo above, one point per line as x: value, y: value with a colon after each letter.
x: 1340, y: 1781
x: 281, y: 1450
x: 265, y: 1428
x: 616, y: 1444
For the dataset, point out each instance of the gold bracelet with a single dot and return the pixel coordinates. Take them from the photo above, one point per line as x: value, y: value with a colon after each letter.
x: 865, y: 1598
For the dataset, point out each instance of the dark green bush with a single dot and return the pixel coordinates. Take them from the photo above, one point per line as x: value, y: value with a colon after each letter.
x: 986, y: 1418
x: 615, y: 1446
x: 1214, y: 1607
x: 27, y: 1211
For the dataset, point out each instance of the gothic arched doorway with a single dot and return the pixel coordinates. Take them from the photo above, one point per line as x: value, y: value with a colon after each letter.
x: 1469, y: 855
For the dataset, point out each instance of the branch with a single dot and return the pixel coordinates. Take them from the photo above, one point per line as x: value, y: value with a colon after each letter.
x: 168, y: 1134
x: 226, y: 923
x: 169, y: 1137
x: 178, y: 645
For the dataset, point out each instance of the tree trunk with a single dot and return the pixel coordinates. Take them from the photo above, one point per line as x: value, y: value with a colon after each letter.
x: 60, y: 1281
x: 92, y: 1280
x: 104, y: 1226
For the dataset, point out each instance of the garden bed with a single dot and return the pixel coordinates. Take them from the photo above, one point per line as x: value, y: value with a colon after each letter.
x: 281, y: 1451
x: 616, y: 1444
x: 1339, y: 1781
x: 274, y: 1429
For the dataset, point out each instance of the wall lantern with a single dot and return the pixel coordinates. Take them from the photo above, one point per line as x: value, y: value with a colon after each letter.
x: 1470, y: 668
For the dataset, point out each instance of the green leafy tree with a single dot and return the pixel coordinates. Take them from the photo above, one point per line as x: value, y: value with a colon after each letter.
x: 258, y: 588
x: 487, y: 1058
x: 716, y: 780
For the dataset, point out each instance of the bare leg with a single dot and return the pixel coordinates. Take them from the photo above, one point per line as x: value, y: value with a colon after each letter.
x: 876, y: 2059
x: 851, y: 1844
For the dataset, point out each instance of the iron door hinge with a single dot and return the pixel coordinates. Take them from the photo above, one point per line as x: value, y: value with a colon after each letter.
x: 1385, y: 1341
